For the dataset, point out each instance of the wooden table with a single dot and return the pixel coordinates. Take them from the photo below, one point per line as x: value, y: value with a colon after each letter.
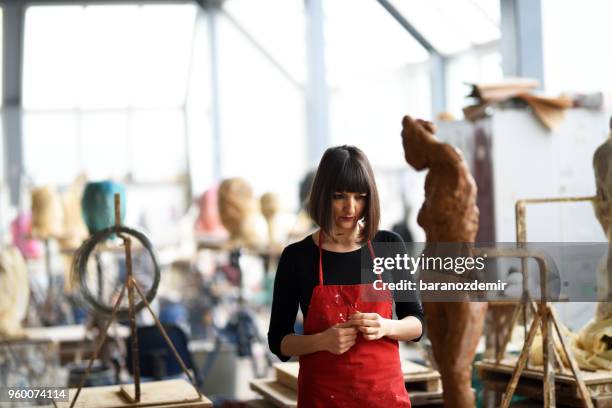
x: 70, y: 341
x: 71, y: 333
x: 73, y: 340
x: 495, y: 378
x: 55, y: 334
x: 423, y: 384
x: 158, y: 394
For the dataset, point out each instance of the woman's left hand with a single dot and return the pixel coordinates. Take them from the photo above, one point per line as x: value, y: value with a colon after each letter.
x: 371, y: 325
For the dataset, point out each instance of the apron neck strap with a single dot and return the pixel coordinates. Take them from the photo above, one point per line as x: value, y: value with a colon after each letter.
x: 320, y: 260
x: 370, y: 247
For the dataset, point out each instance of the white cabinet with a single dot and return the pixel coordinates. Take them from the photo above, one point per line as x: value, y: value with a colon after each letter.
x: 525, y: 160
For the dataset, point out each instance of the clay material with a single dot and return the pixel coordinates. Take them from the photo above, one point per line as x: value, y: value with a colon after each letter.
x: 239, y: 215
x: 449, y: 214
x: 602, y: 165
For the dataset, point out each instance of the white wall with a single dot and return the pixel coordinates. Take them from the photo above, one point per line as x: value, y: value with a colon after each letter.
x: 576, y: 41
x: 531, y: 162
x: 368, y: 113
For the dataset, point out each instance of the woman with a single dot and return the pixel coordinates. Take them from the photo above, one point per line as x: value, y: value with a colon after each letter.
x: 349, y: 352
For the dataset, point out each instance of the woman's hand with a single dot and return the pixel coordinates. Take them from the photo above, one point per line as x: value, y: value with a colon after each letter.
x: 371, y: 325
x: 339, y: 338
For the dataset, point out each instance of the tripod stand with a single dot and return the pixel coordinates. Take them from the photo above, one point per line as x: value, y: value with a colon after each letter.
x: 133, y: 288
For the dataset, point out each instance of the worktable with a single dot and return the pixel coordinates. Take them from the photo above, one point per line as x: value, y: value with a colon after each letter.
x: 423, y: 384
x: 495, y: 378
x: 158, y: 394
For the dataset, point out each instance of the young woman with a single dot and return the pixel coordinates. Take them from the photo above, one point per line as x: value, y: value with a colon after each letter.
x: 349, y: 350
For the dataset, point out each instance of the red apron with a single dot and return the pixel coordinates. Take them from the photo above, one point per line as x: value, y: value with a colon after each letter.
x: 369, y: 374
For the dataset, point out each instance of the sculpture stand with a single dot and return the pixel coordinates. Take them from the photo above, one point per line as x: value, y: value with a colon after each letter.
x: 131, y: 285
x: 544, y: 316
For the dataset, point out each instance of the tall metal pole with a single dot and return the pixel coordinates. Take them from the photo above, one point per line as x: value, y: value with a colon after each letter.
x: 212, y: 14
x: 317, y: 106
x: 131, y: 309
x: 12, y: 62
x: 521, y: 40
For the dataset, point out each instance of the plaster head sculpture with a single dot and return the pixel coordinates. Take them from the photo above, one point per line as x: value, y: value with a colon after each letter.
x: 21, y: 229
x: 238, y: 212
x: 270, y: 205
x: 75, y: 230
x: 235, y: 204
x: 209, y: 221
x: 47, y: 215
x: 14, y: 291
x: 279, y: 223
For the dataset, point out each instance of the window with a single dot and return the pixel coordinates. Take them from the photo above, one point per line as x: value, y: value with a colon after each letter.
x: 276, y: 25
x: 51, y: 148
x: 197, y: 110
x: 72, y: 59
x: 467, y: 32
x: 262, y: 115
x: 377, y: 72
x: 103, y: 138
x: 453, y: 25
x: 159, y: 145
x: 575, y: 38
x: 363, y: 40
x: 104, y: 94
x: 110, y: 99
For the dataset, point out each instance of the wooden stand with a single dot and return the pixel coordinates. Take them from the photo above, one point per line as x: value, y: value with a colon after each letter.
x: 544, y: 318
x: 158, y: 394
x: 135, y: 397
x: 520, y: 214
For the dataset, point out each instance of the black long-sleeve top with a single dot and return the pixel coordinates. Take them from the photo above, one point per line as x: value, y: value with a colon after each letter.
x: 298, y: 273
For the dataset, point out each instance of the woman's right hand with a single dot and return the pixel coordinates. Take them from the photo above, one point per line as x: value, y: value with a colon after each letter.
x: 339, y: 338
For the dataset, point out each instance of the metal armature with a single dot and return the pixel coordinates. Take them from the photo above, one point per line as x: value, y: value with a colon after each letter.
x: 544, y: 318
x: 131, y: 286
x: 543, y: 314
x: 520, y: 210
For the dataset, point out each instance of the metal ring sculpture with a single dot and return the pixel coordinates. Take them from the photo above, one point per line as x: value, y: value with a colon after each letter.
x: 80, y: 268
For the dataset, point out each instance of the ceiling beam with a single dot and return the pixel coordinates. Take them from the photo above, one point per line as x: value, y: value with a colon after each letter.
x: 317, y: 92
x: 12, y: 62
x: 437, y: 61
x: 521, y: 40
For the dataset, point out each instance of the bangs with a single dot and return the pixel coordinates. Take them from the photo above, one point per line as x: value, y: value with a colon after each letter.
x: 351, y: 178
x: 344, y: 169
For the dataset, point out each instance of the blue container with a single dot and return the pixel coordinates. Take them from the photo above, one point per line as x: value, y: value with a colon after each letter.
x: 98, y: 204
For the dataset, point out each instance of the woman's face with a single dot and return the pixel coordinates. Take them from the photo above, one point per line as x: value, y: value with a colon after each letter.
x: 347, y: 210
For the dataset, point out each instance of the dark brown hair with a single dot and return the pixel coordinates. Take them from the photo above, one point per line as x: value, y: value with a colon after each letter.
x: 344, y: 169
